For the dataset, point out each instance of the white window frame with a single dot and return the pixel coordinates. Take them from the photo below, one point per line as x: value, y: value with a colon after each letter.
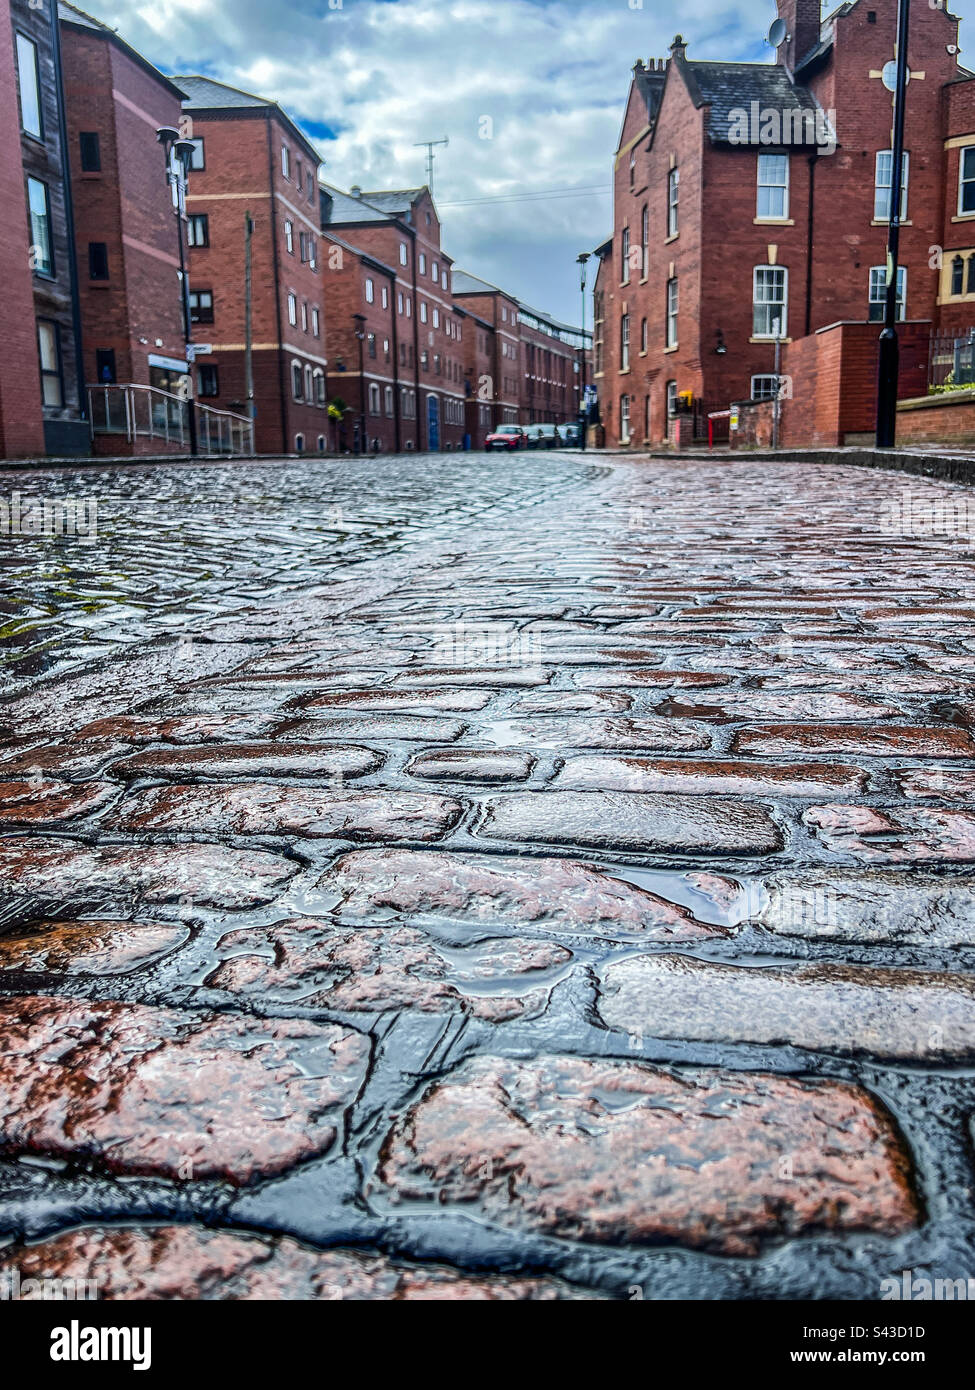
x: 882, y: 191
x: 370, y: 290
x: 771, y: 185
x: 286, y: 161
x: 878, y: 278
x: 759, y: 395
x: 673, y: 202
x: 624, y: 418
x: 289, y: 236
x: 625, y: 343
x: 964, y: 181
x: 29, y: 84
x: 758, y: 274
x: 673, y: 309
x: 403, y: 260
x: 292, y: 308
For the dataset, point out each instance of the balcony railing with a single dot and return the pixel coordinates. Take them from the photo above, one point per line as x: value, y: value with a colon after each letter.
x: 146, y: 412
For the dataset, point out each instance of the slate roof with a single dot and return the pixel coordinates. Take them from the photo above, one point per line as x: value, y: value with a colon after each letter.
x: 206, y: 94
x: 345, y: 208
x: 727, y: 87
x: 463, y: 282
x: 393, y: 202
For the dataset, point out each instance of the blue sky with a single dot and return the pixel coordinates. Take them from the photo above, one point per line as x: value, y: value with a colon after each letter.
x: 529, y: 92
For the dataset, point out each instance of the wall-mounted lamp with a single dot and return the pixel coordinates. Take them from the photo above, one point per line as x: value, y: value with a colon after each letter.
x: 721, y: 346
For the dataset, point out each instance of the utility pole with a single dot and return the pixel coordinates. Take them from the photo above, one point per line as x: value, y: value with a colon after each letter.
x: 583, y: 412
x: 889, y: 357
x: 360, y: 333
x: 428, y: 145
x: 248, y: 321
x: 777, y: 401
x: 178, y: 154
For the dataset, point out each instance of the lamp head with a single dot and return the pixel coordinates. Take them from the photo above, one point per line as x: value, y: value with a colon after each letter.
x: 167, y: 135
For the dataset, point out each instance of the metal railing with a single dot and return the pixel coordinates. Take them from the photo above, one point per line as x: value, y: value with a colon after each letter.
x: 148, y: 412
x: 951, y: 359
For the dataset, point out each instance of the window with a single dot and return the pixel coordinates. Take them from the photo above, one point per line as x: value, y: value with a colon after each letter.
x: 197, y: 158
x: 444, y: 281
x: 293, y: 309
x: 289, y: 237
x: 966, y: 181
x: 296, y: 380
x: 299, y: 443
x: 423, y: 264
x: 423, y: 311
x: 773, y: 187
x: 209, y: 381
x: 770, y: 316
x: 672, y: 306
x: 436, y: 317
x: 764, y: 388
x: 299, y: 174
x: 316, y: 322
x: 673, y: 200
x: 198, y: 229
x: 958, y: 276
x: 52, y: 377
x: 39, y: 211
x: 89, y: 150
x: 304, y: 316
x: 402, y: 253
x: 409, y: 306
x: 371, y: 344
x: 632, y: 169
x: 625, y: 343
x: 319, y: 387
x: 970, y: 287
x: 624, y: 419
x: 671, y: 399
x: 321, y: 437
x: 388, y: 400
x: 30, y: 88
x: 625, y: 255
x: 370, y: 291
x: 643, y: 335
x: 309, y: 385
x: 105, y: 369
x: 201, y: 306
x: 286, y: 161
x: 399, y: 301
x: 878, y: 292
x: 373, y: 398
x: 309, y: 250
x: 97, y: 260
x: 882, y: 186
x: 645, y: 241
x: 384, y: 294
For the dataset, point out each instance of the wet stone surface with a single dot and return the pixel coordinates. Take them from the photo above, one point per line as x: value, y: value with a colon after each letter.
x: 450, y: 882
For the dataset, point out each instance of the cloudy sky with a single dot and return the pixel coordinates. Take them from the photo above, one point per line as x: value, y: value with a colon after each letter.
x: 529, y: 92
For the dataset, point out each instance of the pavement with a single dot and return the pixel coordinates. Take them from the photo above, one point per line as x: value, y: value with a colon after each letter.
x: 452, y: 877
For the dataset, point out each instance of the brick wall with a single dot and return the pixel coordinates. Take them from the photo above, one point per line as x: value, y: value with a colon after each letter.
x: 947, y: 419
x: 21, y: 424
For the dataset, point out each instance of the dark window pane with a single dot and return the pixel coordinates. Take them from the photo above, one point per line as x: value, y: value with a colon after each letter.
x: 91, y: 154
x: 97, y: 260
x: 105, y: 366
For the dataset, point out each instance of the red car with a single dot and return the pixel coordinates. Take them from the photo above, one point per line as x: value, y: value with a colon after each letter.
x: 506, y: 437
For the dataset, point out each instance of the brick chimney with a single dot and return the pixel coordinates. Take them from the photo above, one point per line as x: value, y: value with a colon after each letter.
x: 804, y: 20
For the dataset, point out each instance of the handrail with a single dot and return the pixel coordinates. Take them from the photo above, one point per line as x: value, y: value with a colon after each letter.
x: 133, y: 410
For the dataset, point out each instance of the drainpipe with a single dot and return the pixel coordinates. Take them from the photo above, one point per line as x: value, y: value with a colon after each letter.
x: 397, y: 425
x: 810, y: 241
x: 68, y: 212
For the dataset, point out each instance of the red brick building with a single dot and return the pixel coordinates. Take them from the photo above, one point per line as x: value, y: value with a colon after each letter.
x: 125, y: 228
x: 21, y: 422
x: 752, y: 199
x: 51, y: 369
x: 251, y: 160
x: 401, y: 285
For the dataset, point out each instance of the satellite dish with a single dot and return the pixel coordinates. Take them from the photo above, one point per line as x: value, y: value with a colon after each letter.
x: 778, y: 33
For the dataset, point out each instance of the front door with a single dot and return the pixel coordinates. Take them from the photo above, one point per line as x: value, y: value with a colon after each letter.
x: 433, y: 423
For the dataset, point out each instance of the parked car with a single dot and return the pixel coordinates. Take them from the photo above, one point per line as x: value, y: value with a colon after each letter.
x: 506, y: 437
x: 569, y: 436
x: 542, y: 437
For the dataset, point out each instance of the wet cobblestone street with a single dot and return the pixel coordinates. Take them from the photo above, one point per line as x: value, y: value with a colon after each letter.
x: 476, y: 878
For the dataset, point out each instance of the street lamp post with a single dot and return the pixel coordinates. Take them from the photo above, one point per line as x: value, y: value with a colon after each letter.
x: 178, y: 153
x: 360, y: 333
x: 889, y: 358
x: 581, y: 260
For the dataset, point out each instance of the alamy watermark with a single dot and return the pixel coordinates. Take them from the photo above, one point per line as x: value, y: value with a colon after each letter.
x: 485, y: 645
x: 49, y: 516
x: 920, y: 514
x: 787, y: 125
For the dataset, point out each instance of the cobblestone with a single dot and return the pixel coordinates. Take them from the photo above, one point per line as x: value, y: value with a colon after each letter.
x: 515, y: 875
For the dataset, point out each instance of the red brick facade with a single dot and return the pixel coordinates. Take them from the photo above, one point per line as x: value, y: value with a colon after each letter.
x: 254, y: 161
x: 21, y: 423
x: 125, y: 227
x: 732, y: 239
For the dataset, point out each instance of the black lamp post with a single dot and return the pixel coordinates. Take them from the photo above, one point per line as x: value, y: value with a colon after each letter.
x: 360, y: 333
x: 583, y: 413
x: 889, y: 358
x: 177, y: 170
